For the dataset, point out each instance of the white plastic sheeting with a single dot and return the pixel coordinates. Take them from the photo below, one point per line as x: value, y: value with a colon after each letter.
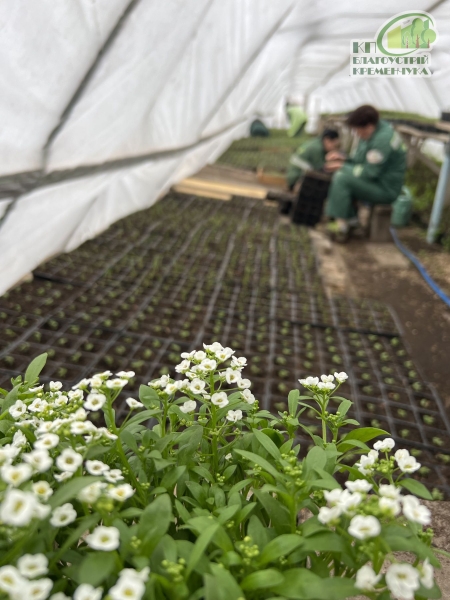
x: 175, y: 82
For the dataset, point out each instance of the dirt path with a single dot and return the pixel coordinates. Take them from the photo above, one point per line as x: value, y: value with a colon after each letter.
x: 381, y: 272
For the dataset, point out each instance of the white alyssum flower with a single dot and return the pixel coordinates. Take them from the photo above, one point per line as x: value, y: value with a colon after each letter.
x: 197, y: 386
x: 209, y: 364
x: 42, y: 490
x: 385, y: 445
x: 248, y: 396
x: 220, y: 399
x: 401, y: 453
x: 18, y: 508
x: 104, y: 538
x: 91, y: 493
x: 183, y: 367
x: 309, y: 381
x: 223, y: 354
x: 127, y: 588
x: 232, y: 376
x: 199, y: 355
x: 327, y: 378
x: 389, y: 507
x: 64, y: 476
x: 414, y: 511
x: 94, y: 401
x: 126, y: 374
x: 367, y: 462
x: 59, y: 596
x: 37, y: 590
x: 244, y: 384
x: 19, y: 440
x: 116, y: 384
x: 366, y: 579
x: 408, y: 464
x: 41, y: 511
x: 234, y: 415
x: 17, y: 474
x: 121, y: 492
x: 114, y: 476
x: 325, y: 386
x: 239, y: 362
x: 39, y: 460
x: 389, y: 491
x: 69, y: 460
x: 426, y: 574
x: 402, y: 580
x: 228, y: 456
x: 18, y: 409
x: 142, y: 574
x: 63, y: 515
x: 171, y: 388
x: 11, y: 581
x: 341, y: 377
x: 359, y: 485
x: 38, y: 405
x: 82, y: 427
x: 8, y: 453
x: 86, y: 591
x: 362, y: 527
x: 333, y: 496
x: 96, y: 467
x: 329, y: 516
x: 188, y: 406
x: 55, y: 386
x: 47, y: 441
x: 32, y: 565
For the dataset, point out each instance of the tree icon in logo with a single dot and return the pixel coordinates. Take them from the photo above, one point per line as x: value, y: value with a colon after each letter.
x: 419, y: 34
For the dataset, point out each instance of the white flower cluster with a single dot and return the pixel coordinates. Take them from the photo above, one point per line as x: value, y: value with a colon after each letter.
x: 402, y: 579
x: 390, y: 501
x: 405, y: 462
x: 325, y: 382
x: 59, y: 435
x: 197, y: 367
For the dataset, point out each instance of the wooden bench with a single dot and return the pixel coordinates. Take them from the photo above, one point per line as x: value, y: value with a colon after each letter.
x: 376, y: 222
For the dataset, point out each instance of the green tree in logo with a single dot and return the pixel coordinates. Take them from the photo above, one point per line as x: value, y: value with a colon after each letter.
x: 418, y: 34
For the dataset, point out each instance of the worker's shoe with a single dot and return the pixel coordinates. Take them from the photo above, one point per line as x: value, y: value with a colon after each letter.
x: 340, y: 232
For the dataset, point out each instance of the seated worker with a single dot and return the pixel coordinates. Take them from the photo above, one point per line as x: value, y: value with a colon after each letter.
x: 373, y: 175
x: 311, y: 155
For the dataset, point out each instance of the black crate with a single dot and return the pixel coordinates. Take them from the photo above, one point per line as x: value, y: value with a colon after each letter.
x: 311, y: 198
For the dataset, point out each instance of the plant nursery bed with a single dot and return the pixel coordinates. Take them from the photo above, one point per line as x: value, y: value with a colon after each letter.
x: 191, y: 270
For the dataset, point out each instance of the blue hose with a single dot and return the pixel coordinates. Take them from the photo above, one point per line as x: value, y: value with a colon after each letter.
x: 416, y: 262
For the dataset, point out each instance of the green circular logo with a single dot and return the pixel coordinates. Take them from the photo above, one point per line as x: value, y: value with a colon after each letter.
x: 417, y: 36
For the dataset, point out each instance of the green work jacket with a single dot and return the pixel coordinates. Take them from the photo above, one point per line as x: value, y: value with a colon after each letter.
x: 381, y: 159
x: 310, y: 155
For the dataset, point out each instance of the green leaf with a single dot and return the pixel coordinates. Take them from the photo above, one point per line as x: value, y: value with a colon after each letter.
x: 35, y: 367
x: 363, y: 434
x: 171, y: 477
x: 301, y: 584
x: 128, y: 438
x: 267, y: 444
x: 261, y: 580
x: 293, y: 399
x: 200, y: 547
x: 280, y: 546
x: 154, y: 523
x: 344, y: 407
x: 316, y: 458
x: 148, y: 397
x: 85, y: 524
x: 70, y: 489
x: 278, y: 514
x: 96, y: 567
x: 221, y: 585
x: 416, y: 488
x: 10, y: 398
x: 262, y: 462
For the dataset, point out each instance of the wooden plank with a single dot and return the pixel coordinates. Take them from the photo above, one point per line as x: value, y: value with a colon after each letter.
x: 234, y: 189
x: 191, y: 190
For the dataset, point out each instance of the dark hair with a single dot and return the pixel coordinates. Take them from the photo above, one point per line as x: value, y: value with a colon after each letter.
x: 330, y: 134
x: 363, y: 115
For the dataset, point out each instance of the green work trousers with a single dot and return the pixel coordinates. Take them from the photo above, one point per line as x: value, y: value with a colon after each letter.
x: 347, y: 188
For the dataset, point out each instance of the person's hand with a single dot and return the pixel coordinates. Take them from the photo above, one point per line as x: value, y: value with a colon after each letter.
x: 333, y: 165
x: 335, y: 155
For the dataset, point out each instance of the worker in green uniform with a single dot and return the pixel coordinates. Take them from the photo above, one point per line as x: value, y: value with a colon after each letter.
x: 373, y: 175
x: 311, y: 156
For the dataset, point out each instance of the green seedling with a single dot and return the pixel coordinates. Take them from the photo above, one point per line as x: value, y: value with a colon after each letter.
x: 428, y: 419
x: 437, y: 441
x: 402, y: 413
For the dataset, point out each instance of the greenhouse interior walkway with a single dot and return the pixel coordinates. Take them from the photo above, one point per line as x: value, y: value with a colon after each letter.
x: 191, y: 270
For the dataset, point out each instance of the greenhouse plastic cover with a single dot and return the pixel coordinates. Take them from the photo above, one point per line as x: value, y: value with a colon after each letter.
x: 104, y: 104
